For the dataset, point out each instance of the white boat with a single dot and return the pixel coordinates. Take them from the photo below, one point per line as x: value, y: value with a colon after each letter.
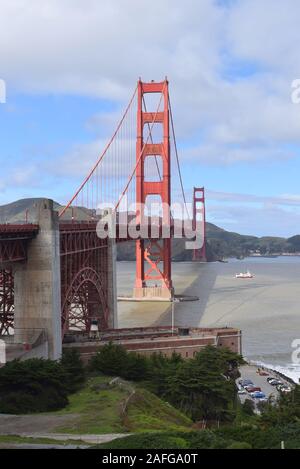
x: 244, y: 275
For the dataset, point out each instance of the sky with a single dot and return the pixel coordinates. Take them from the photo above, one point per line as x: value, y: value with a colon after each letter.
x: 70, y: 67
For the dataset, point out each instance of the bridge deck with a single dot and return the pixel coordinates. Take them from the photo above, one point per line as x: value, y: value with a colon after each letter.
x: 13, y: 241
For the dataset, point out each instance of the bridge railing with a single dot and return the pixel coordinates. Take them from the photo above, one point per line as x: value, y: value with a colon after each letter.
x: 29, y: 338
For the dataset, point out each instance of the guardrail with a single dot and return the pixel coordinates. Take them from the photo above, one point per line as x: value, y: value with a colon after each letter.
x: 26, y: 337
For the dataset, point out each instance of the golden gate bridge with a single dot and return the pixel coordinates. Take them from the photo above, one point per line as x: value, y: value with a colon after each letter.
x: 56, y: 273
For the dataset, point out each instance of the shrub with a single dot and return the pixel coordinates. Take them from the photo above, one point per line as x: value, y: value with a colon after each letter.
x: 74, y: 369
x: 239, y: 445
x: 136, y: 367
x: 34, y: 385
x: 113, y: 359
x: 110, y: 360
x: 248, y: 407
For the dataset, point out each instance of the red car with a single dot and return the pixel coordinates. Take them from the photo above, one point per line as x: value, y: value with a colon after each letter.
x: 253, y: 389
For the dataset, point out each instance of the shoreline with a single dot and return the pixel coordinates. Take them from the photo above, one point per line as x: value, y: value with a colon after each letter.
x: 279, y: 370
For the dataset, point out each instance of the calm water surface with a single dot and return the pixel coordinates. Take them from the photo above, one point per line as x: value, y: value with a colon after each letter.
x: 266, y: 308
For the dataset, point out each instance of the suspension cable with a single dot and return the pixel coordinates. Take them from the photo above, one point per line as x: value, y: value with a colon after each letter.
x: 100, y: 157
x: 177, y: 158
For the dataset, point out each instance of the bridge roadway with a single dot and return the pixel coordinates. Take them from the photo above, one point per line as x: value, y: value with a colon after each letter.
x: 75, y: 237
x: 14, y: 240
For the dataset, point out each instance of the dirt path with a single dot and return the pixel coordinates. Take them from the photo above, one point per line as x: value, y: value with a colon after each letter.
x: 40, y: 423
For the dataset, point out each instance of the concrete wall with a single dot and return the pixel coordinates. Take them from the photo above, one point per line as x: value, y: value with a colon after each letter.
x: 186, y: 347
x: 112, y: 284
x: 37, y: 282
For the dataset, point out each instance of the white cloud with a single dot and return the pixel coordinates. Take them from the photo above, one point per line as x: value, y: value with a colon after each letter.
x: 255, y: 215
x: 284, y: 199
x: 101, y: 48
x: 15, y: 178
x: 230, y: 72
x: 266, y: 31
x: 265, y: 220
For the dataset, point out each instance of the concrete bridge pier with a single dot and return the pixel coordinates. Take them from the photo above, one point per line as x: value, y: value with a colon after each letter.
x: 112, y: 284
x: 38, y: 285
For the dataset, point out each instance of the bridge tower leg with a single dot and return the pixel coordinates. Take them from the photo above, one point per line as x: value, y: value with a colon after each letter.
x: 199, y: 223
x: 153, y: 258
x: 37, y: 284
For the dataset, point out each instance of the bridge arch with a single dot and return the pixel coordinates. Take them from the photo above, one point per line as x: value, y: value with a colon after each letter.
x: 85, y: 301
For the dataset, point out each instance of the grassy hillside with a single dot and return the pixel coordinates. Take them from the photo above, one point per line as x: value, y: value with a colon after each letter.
x: 101, y: 408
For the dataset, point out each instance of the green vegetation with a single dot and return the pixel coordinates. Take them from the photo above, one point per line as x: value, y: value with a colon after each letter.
x: 223, y: 243
x: 161, y: 406
x: 100, y: 408
x: 278, y: 422
x: 248, y: 407
x: 35, y: 440
x: 230, y: 437
x: 286, y: 410
x: 38, y: 385
x: 115, y: 360
x: 202, y: 387
x: 74, y: 369
x: 97, y: 406
x: 145, y: 410
x: 34, y: 385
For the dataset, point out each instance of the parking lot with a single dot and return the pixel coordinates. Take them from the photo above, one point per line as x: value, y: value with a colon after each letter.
x: 250, y: 372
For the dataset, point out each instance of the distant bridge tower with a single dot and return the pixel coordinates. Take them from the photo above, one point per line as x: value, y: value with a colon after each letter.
x: 153, y: 258
x: 199, y: 222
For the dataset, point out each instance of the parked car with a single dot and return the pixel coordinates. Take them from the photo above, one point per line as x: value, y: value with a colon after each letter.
x: 246, y: 382
x: 250, y: 386
x: 274, y: 381
x: 251, y: 389
x: 242, y: 391
x: 284, y: 388
x: 258, y: 395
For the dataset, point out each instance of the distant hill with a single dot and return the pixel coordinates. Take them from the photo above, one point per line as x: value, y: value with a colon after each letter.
x: 19, y: 211
x: 222, y: 244
x: 219, y: 244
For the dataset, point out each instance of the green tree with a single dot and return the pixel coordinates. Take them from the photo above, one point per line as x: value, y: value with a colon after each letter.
x: 286, y: 410
x: 74, y: 369
x: 136, y: 367
x: 34, y: 385
x: 110, y: 360
x: 248, y: 407
x: 201, y: 391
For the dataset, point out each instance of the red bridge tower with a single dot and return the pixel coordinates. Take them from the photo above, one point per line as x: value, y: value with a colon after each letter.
x: 153, y: 257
